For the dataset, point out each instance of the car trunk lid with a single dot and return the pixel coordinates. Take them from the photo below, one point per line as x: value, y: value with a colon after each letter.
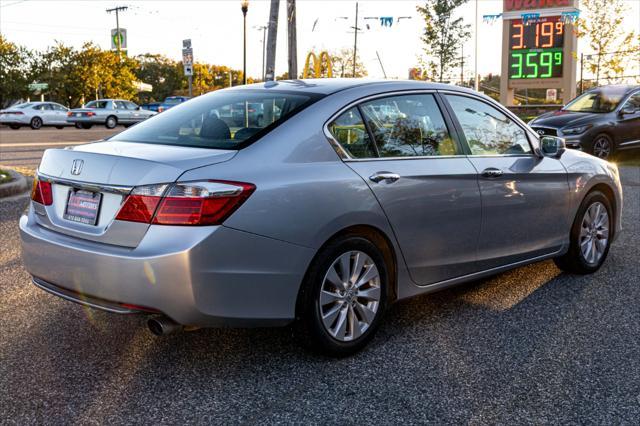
x: 109, y: 170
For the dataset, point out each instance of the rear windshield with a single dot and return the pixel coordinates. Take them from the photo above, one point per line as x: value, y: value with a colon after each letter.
x: 225, y: 119
x: 22, y: 106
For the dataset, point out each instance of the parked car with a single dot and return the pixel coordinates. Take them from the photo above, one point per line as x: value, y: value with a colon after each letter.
x: 601, y: 121
x: 299, y: 220
x: 172, y: 101
x: 35, y: 115
x: 151, y: 106
x: 109, y: 112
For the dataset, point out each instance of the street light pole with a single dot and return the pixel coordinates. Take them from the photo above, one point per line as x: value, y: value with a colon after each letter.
x: 355, y: 42
x: 245, y: 7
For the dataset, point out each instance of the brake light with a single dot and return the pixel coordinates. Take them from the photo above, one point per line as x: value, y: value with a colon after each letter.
x: 13, y: 112
x: 187, y: 203
x: 41, y: 192
x: 69, y: 114
x: 91, y: 114
x: 160, y: 109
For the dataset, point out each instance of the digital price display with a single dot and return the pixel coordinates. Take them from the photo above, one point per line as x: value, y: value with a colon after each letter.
x: 536, y: 49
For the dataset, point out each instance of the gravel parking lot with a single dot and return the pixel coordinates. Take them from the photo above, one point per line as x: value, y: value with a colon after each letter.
x: 529, y: 346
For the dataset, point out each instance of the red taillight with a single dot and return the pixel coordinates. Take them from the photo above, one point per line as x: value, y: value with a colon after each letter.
x: 13, y: 112
x: 189, y: 203
x: 69, y: 114
x: 138, y: 208
x: 160, y: 109
x: 41, y: 192
x: 91, y: 114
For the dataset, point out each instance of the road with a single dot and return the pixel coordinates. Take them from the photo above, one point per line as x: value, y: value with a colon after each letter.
x: 529, y: 346
x: 23, y: 148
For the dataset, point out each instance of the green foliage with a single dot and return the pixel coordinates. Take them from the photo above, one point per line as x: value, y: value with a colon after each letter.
x: 16, y: 65
x: 612, y: 48
x: 78, y: 76
x: 442, y: 37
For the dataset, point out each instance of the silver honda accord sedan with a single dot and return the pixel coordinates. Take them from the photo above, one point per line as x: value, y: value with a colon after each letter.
x: 348, y: 196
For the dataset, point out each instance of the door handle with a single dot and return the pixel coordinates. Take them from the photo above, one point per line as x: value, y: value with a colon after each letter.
x: 380, y: 176
x: 492, y: 172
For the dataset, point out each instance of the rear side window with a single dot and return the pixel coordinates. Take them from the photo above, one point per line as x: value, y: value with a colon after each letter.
x: 487, y: 130
x: 227, y: 119
x: 350, y: 132
x: 98, y: 104
x: 408, y: 126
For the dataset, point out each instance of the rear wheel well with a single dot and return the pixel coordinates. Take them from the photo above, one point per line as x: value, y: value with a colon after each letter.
x: 378, y: 238
x: 608, y: 192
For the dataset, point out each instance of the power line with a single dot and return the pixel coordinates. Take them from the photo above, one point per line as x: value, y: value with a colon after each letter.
x: 12, y: 4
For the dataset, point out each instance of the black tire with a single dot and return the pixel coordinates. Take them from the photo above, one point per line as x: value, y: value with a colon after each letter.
x: 602, y: 147
x: 111, y: 122
x: 36, y: 123
x: 574, y: 261
x: 59, y: 127
x: 311, y: 331
x: 14, y: 126
x: 78, y: 125
x: 86, y: 126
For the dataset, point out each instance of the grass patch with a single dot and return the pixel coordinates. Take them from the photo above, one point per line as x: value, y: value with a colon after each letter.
x: 5, y: 176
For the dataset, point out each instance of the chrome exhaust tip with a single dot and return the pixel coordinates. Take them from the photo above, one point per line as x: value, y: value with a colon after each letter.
x: 161, y: 326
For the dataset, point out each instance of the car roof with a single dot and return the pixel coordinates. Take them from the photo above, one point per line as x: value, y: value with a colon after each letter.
x: 327, y: 86
x: 624, y: 88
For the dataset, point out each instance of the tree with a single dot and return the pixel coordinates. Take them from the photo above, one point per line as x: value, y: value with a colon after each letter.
x: 16, y: 65
x: 611, y: 46
x: 163, y: 74
x: 342, y: 63
x: 443, y: 35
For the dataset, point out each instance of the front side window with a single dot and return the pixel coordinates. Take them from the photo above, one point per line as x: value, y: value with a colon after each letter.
x: 58, y: 107
x: 408, y: 126
x: 349, y: 130
x: 633, y: 102
x: 487, y: 130
x: 221, y: 120
x: 130, y: 105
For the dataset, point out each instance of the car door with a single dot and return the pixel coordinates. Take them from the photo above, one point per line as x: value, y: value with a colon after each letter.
x: 45, y: 112
x: 122, y: 112
x: 60, y: 113
x: 629, y: 124
x: 426, y: 186
x: 525, y: 197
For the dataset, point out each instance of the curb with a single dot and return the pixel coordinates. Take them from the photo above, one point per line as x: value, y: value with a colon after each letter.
x: 18, y: 185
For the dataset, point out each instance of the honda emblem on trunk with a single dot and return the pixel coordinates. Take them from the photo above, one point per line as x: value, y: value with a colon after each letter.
x: 76, y: 167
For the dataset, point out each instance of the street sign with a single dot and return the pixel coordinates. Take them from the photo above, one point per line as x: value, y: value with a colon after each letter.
x: 38, y: 86
x: 552, y: 95
x: 123, y: 39
x: 186, y: 44
x: 187, y: 59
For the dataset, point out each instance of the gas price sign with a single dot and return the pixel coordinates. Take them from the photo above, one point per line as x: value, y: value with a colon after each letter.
x: 536, y: 48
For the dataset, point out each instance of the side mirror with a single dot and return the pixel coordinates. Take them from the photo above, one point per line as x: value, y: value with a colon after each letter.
x: 552, y: 146
x: 628, y: 110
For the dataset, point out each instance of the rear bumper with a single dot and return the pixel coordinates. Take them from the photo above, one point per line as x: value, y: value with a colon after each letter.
x: 90, y: 120
x: 202, y: 276
x: 22, y: 120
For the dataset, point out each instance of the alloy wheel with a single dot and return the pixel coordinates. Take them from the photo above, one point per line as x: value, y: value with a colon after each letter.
x: 350, y: 296
x: 36, y: 123
x: 594, y: 233
x: 602, y: 147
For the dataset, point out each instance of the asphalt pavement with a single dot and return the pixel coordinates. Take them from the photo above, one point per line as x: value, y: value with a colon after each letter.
x: 532, y: 345
x: 23, y: 148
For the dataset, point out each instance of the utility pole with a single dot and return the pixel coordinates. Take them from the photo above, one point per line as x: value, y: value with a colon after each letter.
x: 271, y: 41
x: 117, y: 10
x: 462, y: 65
x: 291, y: 39
x: 355, y: 42
x: 476, y: 77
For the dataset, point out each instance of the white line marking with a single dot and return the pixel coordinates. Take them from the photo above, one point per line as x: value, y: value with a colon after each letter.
x: 26, y: 145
